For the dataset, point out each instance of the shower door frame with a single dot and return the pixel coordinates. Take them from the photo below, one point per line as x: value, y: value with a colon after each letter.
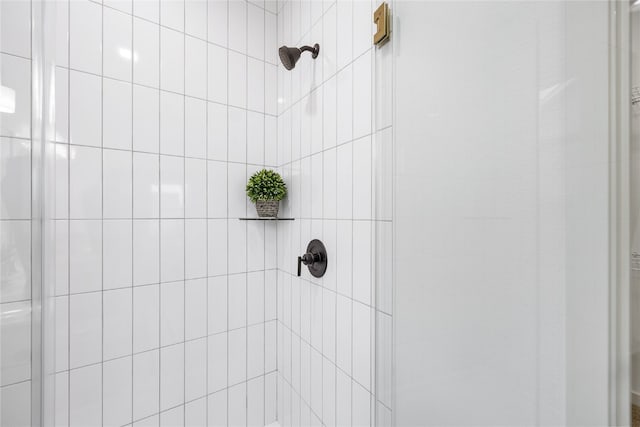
x: 43, y: 40
x: 620, y: 187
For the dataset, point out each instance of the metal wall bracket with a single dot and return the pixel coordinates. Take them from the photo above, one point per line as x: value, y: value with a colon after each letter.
x: 382, y: 20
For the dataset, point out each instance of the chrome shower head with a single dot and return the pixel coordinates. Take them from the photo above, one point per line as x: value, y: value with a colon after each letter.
x: 290, y: 55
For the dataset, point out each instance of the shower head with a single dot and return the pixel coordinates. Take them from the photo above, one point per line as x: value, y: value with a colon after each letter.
x: 290, y: 55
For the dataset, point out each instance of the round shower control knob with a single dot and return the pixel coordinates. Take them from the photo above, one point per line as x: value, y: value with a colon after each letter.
x: 315, y: 259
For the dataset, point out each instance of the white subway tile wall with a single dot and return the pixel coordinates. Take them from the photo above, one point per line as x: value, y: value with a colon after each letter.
x: 170, y: 311
x: 334, y: 149
x: 165, y: 301
x: 15, y: 214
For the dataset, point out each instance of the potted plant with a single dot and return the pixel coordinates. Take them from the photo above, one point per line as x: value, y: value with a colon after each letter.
x: 266, y: 188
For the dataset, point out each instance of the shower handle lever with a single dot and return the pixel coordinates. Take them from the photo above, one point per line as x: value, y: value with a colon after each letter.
x: 315, y: 259
x: 307, y: 259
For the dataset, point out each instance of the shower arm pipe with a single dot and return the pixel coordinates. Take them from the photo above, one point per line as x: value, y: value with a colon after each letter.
x: 315, y: 49
x: 307, y: 49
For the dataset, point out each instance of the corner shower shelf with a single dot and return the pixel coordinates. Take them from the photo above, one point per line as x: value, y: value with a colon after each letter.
x: 266, y: 219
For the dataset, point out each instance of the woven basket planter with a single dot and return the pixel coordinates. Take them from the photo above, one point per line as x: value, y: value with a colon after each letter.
x: 267, y: 208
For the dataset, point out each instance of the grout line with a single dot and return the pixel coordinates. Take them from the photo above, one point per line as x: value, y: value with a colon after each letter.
x: 335, y: 142
x: 264, y: 226
x: 166, y: 26
x: 102, y: 164
x: 277, y: 231
x: 162, y: 347
x: 167, y: 91
x: 25, y: 381
x: 372, y: 238
x: 205, y: 219
x: 246, y: 226
x: 148, y: 284
x: 184, y: 214
x: 206, y: 148
x: 157, y: 414
x: 131, y: 228
x: 68, y: 164
x: 151, y: 350
x: 350, y: 67
x: 227, y: 221
x: 160, y: 201
x: 25, y: 58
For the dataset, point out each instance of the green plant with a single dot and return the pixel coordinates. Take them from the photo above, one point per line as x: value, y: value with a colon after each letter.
x: 266, y: 185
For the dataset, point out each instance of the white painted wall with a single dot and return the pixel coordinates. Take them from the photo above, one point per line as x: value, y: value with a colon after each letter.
x: 501, y: 213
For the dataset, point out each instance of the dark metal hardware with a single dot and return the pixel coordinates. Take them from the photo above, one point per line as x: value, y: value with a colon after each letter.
x: 290, y: 55
x: 315, y: 259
